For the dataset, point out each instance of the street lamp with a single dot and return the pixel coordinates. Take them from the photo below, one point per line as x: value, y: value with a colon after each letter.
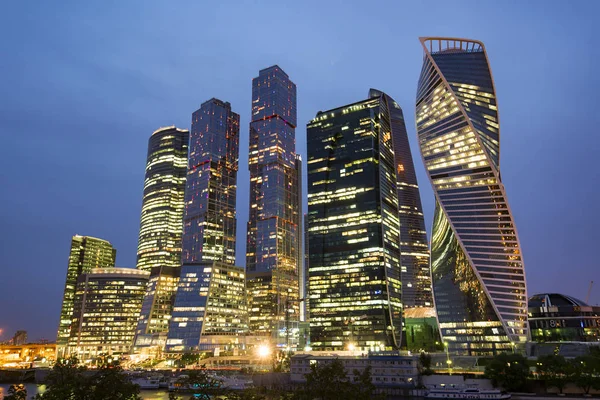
x: 448, y: 361
x: 264, y: 351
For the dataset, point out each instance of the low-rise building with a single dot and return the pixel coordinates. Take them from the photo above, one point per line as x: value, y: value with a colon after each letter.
x: 557, y: 317
x: 27, y: 355
x: 388, y: 368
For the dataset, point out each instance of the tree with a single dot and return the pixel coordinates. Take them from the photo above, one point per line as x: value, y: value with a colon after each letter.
x: 424, y: 365
x: 246, y: 394
x: 508, y: 370
x: 363, y: 384
x: 188, y: 358
x: 330, y: 381
x: 202, y: 385
x: 68, y: 381
x: 17, y: 392
x: 555, y: 371
x: 109, y: 382
x: 586, y: 370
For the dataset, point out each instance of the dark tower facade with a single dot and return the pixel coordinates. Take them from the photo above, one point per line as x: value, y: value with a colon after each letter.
x: 414, y: 248
x: 353, y: 227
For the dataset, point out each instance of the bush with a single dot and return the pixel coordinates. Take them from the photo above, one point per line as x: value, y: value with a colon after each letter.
x: 509, y: 371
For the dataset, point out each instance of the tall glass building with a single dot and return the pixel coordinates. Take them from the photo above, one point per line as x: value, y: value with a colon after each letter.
x: 414, y: 248
x: 86, y: 253
x: 210, y: 304
x: 162, y: 206
x: 106, y: 308
x: 353, y: 227
x: 209, y: 220
x: 476, y: 262
x: 273, y: 255
x: 161, y: 228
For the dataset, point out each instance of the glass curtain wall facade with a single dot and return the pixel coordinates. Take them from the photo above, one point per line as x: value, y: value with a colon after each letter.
x: 353, y: 228
x: 162, y: 206
x: 210, y: 308
x: 86, y: 253
x: 153, y: 323
x: 209, y: 220
x: 107, y: 305
x: 414, y: 248
x: 476, y: 262
x: 272, y: 246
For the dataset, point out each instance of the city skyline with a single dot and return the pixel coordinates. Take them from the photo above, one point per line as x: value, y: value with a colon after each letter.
x: 106, y: 203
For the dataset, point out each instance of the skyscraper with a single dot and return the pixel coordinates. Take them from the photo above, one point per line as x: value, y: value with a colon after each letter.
x: 353, y: 227
x: 106, y: 308
x: 477, y: 266
x: 162, y: 206
x: 210, y: 305
x: 414, y: 248
x: 272, y: 253
x: 86, y: 253
x: 161, y: 228
x: 209, y: 220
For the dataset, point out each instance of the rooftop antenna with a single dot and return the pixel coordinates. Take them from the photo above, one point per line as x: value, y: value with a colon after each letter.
x: 587, y: 298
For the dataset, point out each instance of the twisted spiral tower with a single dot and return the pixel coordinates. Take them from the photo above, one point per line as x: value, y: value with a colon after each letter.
x: 477, y: 268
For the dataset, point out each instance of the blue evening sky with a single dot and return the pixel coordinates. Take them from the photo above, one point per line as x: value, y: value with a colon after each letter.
x: 84, y: 84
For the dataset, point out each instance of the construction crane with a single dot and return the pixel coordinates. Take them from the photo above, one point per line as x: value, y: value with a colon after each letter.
x: 587, y: 298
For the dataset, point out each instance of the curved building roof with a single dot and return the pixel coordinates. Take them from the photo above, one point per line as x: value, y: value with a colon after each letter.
x: 554, y: 299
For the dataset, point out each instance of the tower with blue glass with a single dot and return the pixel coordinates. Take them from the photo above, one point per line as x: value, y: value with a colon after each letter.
x: 210, y: 303
x: 272, y: 244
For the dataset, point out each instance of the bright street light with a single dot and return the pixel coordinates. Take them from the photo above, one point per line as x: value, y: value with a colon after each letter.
x: 263, y: 351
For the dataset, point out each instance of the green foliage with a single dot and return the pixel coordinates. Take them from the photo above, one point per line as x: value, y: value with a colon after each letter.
x: 424, y: 365
x: 247, y: 394
x: 68, y: 381
x: 508, y: 370
x: 329, y: 381
x: 586, y: 372
x: 202, y: 385
x: 109, y: 382
x: 17, y: 392
x: 188, y: 358
x: 555, y: 371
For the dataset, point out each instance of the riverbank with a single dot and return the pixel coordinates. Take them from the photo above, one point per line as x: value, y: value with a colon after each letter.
x: 33, y: 389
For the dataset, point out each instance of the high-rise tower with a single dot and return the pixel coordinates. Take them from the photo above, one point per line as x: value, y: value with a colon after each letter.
x: 161, y: 227
x: 209, y: 220
x: 86, y: 253
x: 210, y: 304
x: 354, y: 269
x: 477, y: 266
x: 162, y: 206
x: 272, y: 238
x: 414, y: 248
